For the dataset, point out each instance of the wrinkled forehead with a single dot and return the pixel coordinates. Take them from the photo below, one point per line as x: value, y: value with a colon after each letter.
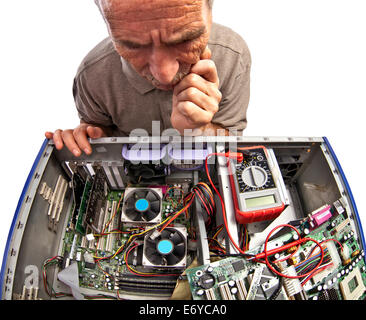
x: 146, y: 15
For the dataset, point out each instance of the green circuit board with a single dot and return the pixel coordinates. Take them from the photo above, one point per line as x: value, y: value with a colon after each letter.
x: 236, y: 278
x: 98, y: 264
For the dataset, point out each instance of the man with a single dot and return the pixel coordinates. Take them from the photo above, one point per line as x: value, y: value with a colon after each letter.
x: 164, y: 61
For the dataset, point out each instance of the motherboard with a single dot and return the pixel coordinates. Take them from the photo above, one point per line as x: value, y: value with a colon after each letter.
x: 164, y: 229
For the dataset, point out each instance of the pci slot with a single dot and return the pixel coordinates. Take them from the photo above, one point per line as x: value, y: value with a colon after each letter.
x: 242, y: 291
x: 210, y: 294
x: 225, y: 292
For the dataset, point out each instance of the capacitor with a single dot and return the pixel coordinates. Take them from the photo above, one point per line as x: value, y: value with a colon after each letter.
x: 200, y: 292
x: 355, y: 253
x: 234, y: 290
x: 292, y: 261
x: 231, y: 283
x: 209, y: 269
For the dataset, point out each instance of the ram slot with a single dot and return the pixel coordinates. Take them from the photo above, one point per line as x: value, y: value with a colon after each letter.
x: 105, y: 215
x: 111, y: 237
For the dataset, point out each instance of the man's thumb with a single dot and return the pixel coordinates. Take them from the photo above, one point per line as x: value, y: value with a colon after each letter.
x: 206, y: 54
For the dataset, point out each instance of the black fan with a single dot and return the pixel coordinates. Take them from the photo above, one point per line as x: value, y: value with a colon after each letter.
x: 168, y: 249
x: 142, y: 205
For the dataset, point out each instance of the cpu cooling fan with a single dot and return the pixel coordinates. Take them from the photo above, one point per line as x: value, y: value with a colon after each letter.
x: 168, y: 249
x: 142, y: 205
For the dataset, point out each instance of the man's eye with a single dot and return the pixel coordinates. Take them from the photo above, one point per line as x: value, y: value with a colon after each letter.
x: 132, y: 45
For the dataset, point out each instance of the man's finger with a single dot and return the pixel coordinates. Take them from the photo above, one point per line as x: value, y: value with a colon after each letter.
x: 199, y: 98
x: 206, y: 69
x: 194, y: 115
x: 57, y: 139
x: 48, y: 135
x: 95, y: 132
x: 81, y: 138
x: 70, y: 143
x: 206, y: 54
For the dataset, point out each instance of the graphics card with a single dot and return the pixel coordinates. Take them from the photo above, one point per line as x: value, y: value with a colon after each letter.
x: 142, y: 206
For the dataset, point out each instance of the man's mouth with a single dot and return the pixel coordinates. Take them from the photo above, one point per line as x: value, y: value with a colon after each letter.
x: 183, y: 71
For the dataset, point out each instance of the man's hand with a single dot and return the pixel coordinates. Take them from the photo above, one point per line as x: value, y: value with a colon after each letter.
x: 197, y: 96
x: 76, y: 140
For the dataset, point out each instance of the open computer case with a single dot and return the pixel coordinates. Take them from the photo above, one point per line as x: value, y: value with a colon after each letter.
x: 180, y: 218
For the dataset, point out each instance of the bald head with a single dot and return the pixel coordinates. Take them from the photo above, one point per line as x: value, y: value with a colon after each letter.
x: 105, y: 5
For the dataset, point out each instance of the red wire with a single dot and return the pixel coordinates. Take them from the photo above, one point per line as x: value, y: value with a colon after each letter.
x: 265, y: 252
x: 317, y: 271
x: 222, y: 201
x: 303, y: 240
x: 335, y: 240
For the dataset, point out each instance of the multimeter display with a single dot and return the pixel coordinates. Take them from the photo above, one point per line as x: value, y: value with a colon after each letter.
x: 260, y: 201
x: 256, y: 189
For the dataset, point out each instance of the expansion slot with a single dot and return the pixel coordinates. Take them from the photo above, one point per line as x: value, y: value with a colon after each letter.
x: 225, y: 292
x: 255, y: 282
x: 242, y: 291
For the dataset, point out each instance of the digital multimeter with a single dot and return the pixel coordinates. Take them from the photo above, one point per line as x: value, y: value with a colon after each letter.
x: 257, y: 186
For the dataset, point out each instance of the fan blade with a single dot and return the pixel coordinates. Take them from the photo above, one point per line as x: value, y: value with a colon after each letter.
x: 155, y: 258
x: 151, y: 196
x: 155, y: 206
x: 133, y: 214
x: 165, y: 234
x: 140, y: 194
x: 177, y: 238
x: 180, y: 250
x: 149, y: 250
x: 149, y: 215
x: 172, y: 259
x: 130, y: 202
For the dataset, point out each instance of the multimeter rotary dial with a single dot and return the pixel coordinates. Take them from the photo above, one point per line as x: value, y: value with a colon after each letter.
x: 254, y: 176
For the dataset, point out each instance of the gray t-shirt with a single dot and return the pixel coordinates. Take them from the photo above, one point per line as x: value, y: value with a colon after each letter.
x: 108, y: 91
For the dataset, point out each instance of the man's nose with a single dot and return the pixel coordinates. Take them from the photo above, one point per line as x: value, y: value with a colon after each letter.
x: 163, y: 64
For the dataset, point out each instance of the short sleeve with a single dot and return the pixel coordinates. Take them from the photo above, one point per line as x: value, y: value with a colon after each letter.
x: 233, y: 62
x: 233, y: 107
x: 89, y: 110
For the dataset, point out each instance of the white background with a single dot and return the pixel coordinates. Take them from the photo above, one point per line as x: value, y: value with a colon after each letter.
x: 308, y: 77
